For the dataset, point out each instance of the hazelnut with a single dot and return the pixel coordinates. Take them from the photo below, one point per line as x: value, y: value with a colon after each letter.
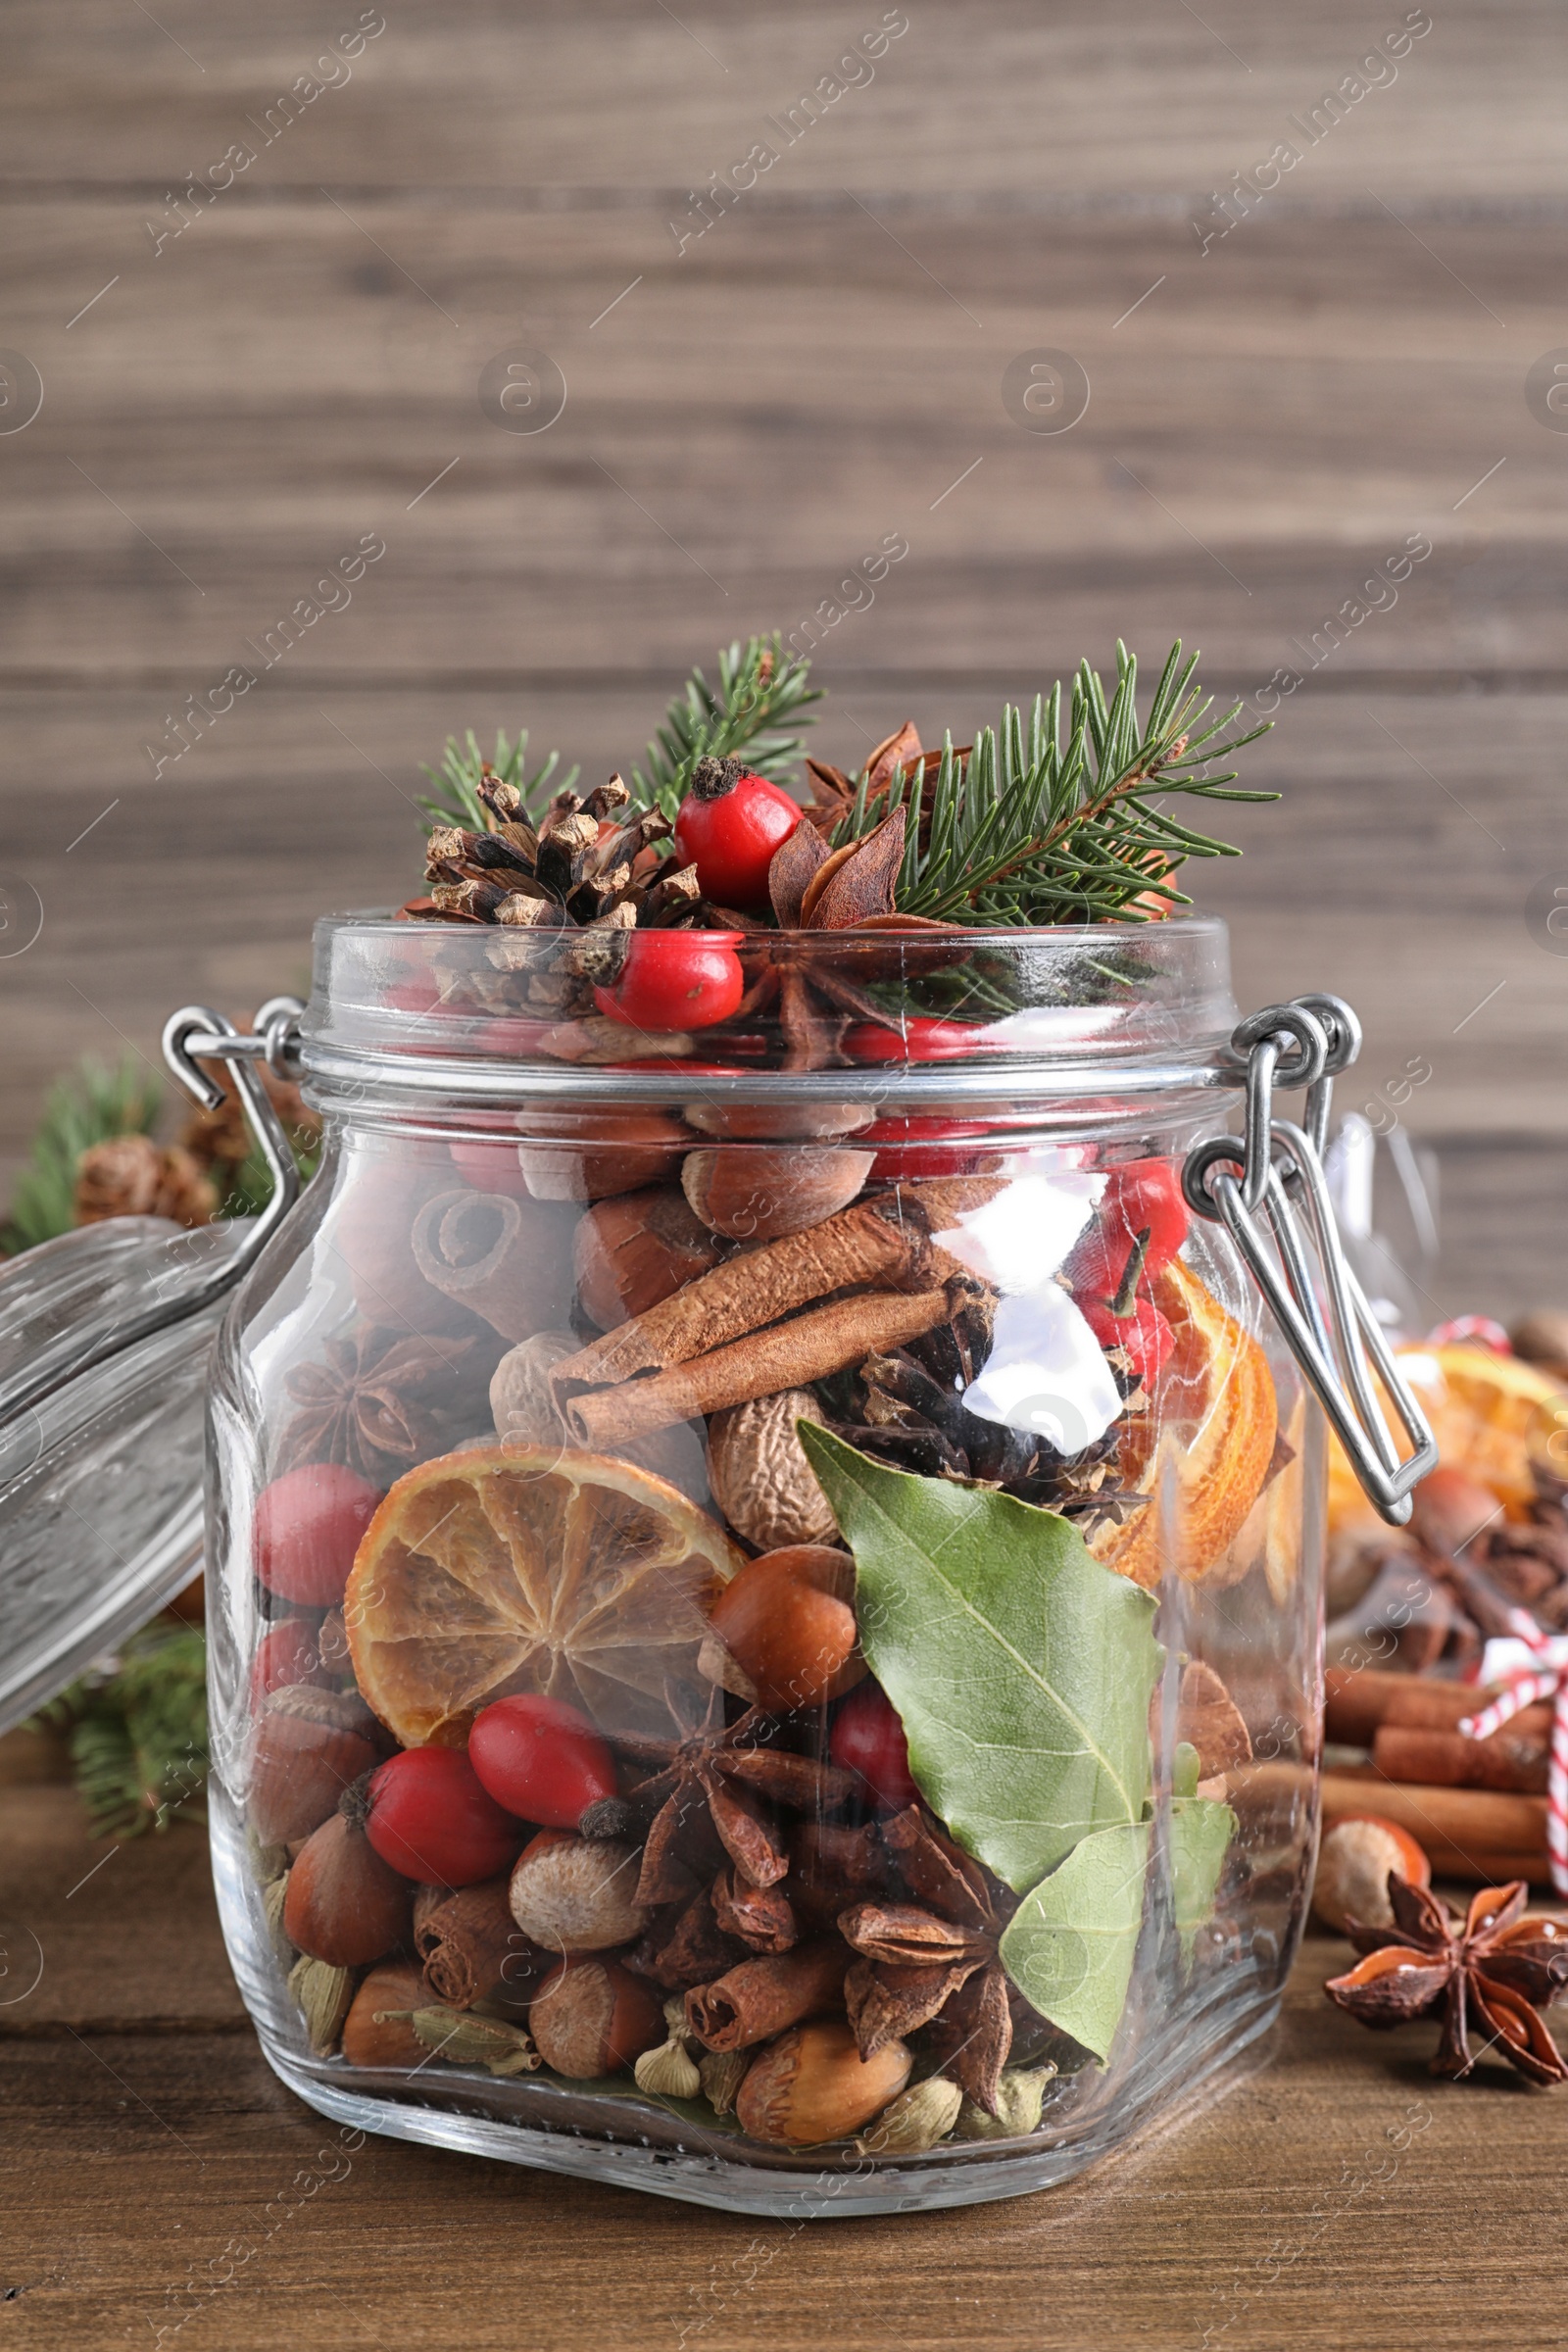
x: 631, y: 1251
x: 779, y: 1122
x: 592, y: 2016
x: 755, y: 1194
x: 310, y: 1746
x: 371, y: 2040
x: 759, y: 1475
x: 618, y: 1151
x: 813, y: 2085
x: 344, y: 1904
x: 576, y: 1894
x: 788, y: 1622
x: 1353, y: 1863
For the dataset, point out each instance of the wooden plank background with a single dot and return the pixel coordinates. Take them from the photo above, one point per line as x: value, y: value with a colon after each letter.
x: 228, y: 411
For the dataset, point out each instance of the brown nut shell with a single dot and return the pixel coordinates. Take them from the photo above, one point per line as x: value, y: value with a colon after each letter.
x: 620, y: 1152
x: 344, y: 1904
x: 576, y: 1894
x: 631, y: 1251
x: 788, y: 1621
x: 310, y: 1746
x: 754, y: 1193
x: 759, y: 1475
x: 813, y: 2085
x: 592, y: 2016
x: 779, y: 1122
x: 367, y: 2042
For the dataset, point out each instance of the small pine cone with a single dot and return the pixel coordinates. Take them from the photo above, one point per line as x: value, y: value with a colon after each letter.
x: 131, y: 1176
x: 221, y: 1138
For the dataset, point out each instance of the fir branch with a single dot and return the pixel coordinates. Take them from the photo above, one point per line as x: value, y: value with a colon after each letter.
x: 138, y: 1731
x: 1053, y: 820
x: 456, y: 800
x: 761, y: 697
x: 92, y: 1105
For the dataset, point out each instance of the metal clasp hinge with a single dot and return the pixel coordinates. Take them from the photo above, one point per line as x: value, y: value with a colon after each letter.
x: 1256, y: 1185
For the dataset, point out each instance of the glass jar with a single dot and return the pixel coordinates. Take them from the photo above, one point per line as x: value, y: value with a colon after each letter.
x: 764, y: 1579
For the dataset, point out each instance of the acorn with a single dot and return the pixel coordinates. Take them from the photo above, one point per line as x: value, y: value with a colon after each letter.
x: 344, y: 1904
x: 592, y: 2016
x: 813, y: 2085
x: 310, y: 1746
x: 370, y: 2040
x: 576, y: 1894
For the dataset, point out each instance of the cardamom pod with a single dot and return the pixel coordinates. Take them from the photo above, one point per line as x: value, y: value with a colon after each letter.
x: 465, y: 2039
x: 324, y: 1994
x: 671, y: 2068
x: 1019, y: 2098
x: 915, y: 2121
x: 721, y: 2074
x: 274, y: 1895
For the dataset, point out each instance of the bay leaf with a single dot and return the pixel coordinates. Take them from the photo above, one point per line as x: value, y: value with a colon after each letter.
x: 1069, y: 1945
x: 1020, y: 1669
x: 1200, y: 1832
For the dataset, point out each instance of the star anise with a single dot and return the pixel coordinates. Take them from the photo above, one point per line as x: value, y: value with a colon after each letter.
x: 377, y: 1401
x: 715, y: 1780
x: 1497, y: 1970
x: 933, y: 1961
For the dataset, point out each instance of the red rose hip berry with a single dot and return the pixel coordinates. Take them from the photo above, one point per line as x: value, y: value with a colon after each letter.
x: 307, y: 1528
x: 428, y: 1816
x: 1144, y: 1332
x: 868, y: 1739
x: 729, y: 826
x: 675, y: 980
x: 542, y: 1760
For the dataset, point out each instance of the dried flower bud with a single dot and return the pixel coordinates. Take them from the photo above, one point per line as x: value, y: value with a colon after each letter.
x: 916, y: 2121
x: 721, y: 2074
x: 1020, y: 2095
x: 325, y: 1994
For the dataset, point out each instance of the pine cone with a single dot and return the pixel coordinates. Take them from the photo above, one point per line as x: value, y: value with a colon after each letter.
x: 221, y: 1138
x: 131, y: 1176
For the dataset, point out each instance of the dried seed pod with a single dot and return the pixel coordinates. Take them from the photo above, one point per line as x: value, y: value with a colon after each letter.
x: 325, y: 1994
x: 310, y: 1746
x: 592, y: 2018
x: 788, y: 1622
x: 344, y: 1904
x: 721, y: 2074
x: 631, y: 1251
x: 813, y: 2085
x: 1020, y: 2095
x: 760, y: 1478
x: 916, y: 2120
x: 670, y: 2070
x: 754, y: 1194
x: 372, y: 2039
x: 576, y: 1894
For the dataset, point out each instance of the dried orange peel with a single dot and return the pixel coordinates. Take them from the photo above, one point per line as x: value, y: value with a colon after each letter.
x: 523, y: 1568
x: 1207, y: 1444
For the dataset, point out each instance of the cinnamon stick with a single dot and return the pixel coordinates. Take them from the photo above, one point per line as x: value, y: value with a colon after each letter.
x: 876, y: 1241
x: 1449, y: 1760
x: 473, y: 1949
x: 787, y: 1355
x: 764, y: 1997
x: 1467, y: 1832
x: 1357, y: 1702
x: 478, y: 1248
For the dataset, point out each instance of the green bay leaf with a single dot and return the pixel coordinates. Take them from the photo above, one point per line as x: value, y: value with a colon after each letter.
x: 1020, y: 1668
x: 1069, y: 1945
x: 1200, y: 1832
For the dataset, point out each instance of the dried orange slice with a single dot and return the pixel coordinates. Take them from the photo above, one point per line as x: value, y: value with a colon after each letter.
x: 1209, y: 1440
x: 517, y: 1567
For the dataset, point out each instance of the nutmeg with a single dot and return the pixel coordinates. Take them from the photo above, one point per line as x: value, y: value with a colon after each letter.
x: 813, y: 2085
x: 631, y: 1251
x: 373, y: 2040
x: 619, y: 1152
x: 759, y: 1475
x: 788, y: 1622
x: 755, y: 1194
x: 576, y: 1894
x: 344, y: 1904
x: 592, y: 2016
x: 309, y: 1746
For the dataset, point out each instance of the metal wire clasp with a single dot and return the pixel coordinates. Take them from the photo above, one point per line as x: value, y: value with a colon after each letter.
x: 1275, y: 1167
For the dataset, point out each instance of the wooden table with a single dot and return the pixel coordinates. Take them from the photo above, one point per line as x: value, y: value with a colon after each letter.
x: 1329, y: 2195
